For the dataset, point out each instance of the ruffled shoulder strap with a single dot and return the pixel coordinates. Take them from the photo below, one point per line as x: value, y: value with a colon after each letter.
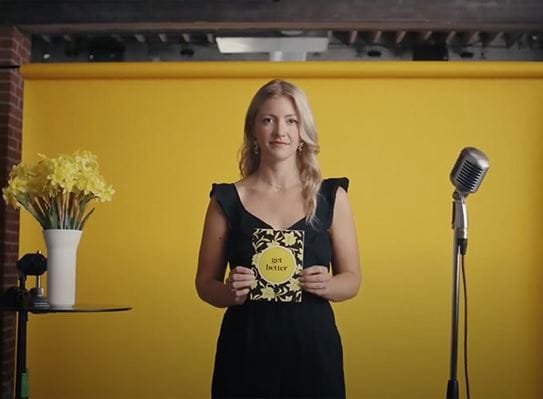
x: 328, y: 191
x: 225, y: 195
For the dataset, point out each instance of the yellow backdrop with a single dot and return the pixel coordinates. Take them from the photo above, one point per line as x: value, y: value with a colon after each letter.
x: 164, y: 132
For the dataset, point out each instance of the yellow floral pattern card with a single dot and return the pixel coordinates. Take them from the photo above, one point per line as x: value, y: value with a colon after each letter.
x: 277, y: 264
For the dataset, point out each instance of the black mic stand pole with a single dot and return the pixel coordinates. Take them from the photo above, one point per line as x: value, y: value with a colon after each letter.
x: 460, y: 233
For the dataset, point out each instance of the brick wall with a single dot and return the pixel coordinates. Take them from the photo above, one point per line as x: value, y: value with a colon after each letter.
x: 14, y: 51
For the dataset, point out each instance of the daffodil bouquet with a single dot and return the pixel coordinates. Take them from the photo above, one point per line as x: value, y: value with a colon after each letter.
x: 57, y: 191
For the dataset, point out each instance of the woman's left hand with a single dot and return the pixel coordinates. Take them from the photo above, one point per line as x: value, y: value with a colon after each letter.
x: 316, y: 280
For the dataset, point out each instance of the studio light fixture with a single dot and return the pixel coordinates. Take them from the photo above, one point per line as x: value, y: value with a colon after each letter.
x: 279, y: 48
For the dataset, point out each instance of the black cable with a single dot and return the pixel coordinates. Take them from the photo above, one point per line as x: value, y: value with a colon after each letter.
x: 465, y: 328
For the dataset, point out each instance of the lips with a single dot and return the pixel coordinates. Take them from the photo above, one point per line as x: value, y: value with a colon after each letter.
x: 278, y: 142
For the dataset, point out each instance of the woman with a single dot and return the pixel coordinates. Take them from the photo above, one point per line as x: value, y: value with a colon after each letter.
x: 268, y: 348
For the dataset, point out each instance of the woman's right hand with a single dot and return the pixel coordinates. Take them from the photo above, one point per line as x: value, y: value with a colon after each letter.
x: 239, y: 283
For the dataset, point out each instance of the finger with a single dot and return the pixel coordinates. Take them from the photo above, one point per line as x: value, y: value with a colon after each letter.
x: 240, y: 293
x: 308, y: 270
x: 242, y: 277
x: 241, y: 284
x: 307, y: 279
x: 315, y: 278
x: 314, y: 270
x: 314, y: 286
x: 242, y: 270
x: 322, y: 269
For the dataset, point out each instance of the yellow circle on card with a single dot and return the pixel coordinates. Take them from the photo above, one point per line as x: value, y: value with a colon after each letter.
x: 276, y: 264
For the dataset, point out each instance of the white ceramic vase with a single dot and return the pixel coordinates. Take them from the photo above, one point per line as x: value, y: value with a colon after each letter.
x: 61, y: 266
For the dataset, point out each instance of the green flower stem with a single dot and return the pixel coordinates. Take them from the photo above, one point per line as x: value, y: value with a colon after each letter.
x: 85, y: 218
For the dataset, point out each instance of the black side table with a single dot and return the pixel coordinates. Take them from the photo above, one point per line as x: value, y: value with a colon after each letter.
x: 21, y: 382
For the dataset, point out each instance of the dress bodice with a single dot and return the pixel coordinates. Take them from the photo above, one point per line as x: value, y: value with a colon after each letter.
x: 241, y: 223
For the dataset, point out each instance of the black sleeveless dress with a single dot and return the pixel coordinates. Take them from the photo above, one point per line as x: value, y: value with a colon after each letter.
x: 277, y: 349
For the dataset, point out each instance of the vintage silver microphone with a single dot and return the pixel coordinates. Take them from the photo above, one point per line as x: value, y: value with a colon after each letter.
x: 469, y: 170
x: 466, y: 176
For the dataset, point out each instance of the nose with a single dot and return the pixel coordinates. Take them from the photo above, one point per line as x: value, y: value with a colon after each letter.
x: 281, y: 129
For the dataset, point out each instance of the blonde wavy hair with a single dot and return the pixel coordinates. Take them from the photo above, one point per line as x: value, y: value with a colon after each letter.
x: 306, y: 159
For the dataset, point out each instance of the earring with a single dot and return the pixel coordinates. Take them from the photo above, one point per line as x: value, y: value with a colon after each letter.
x: 255, y: 147
x: 300, y: 146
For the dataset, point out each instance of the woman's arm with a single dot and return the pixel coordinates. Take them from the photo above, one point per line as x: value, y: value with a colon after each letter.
x: 212, y: 264
x: 345, y: 282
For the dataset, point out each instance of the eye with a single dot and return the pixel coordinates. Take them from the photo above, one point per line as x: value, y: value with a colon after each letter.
x: 292, y: 121
x: 266, y: 120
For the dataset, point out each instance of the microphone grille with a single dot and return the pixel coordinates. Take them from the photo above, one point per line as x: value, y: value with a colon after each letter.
x: 469, y: 170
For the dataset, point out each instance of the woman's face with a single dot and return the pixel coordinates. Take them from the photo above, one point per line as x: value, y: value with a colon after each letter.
x: 276, y: 128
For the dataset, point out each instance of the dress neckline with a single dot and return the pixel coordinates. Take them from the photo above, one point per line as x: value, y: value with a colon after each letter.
x: 259, y: 219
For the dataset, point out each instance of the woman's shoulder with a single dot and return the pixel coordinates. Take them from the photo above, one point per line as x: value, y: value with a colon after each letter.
x: 327, y: 198
x: 225, y: 195
x: 331, y: 184
x: 219, y: 190
x: 244, y: 186
x: 231, y: 189
x: 242, y: 183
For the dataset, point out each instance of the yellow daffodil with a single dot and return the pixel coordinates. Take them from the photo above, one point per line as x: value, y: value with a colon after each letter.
x: 56, y: 191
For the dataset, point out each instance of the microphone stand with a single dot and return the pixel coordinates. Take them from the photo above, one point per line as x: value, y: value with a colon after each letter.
x: 460, y: 240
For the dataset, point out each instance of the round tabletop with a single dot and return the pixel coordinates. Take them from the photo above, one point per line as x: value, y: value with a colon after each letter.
x: 76, y: 308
